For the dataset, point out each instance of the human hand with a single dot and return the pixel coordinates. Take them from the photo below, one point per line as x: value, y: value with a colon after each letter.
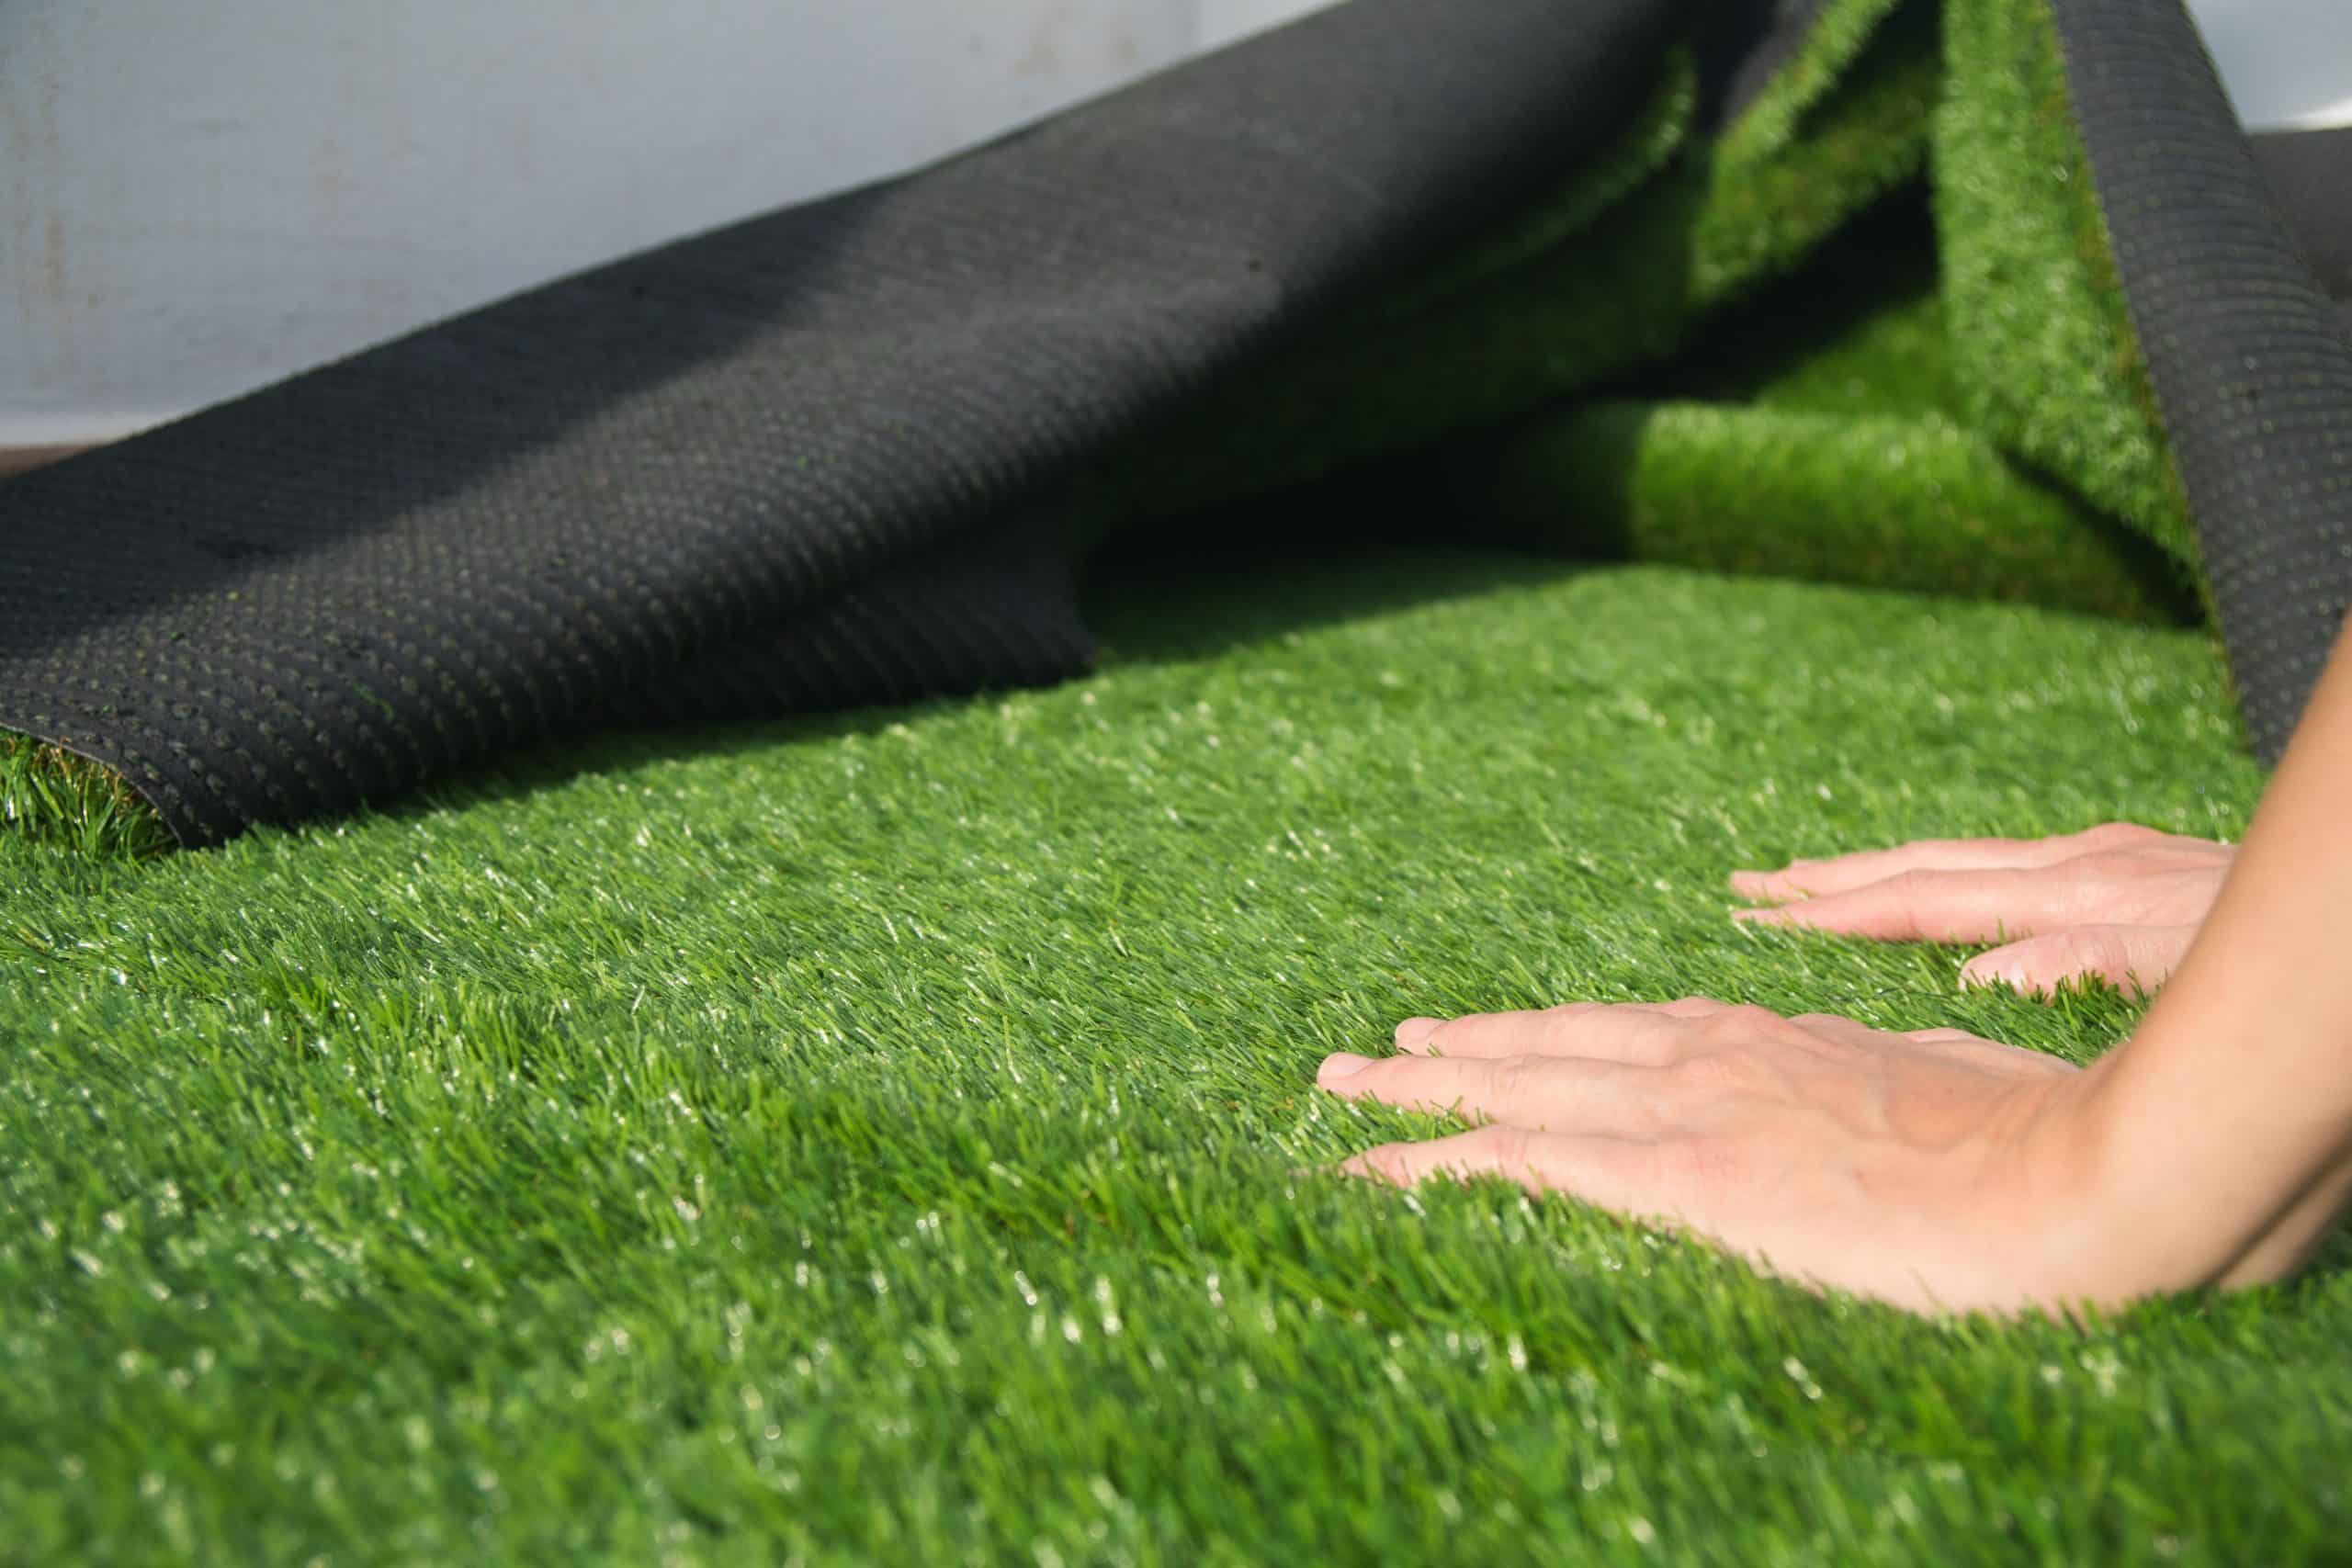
x: 2119, y: 901
x: 1933, y: 1170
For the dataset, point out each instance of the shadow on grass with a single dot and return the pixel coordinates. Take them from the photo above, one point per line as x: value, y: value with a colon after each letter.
x: 622, y: 753
x: 1151, y: 606
x: 1169, y: 605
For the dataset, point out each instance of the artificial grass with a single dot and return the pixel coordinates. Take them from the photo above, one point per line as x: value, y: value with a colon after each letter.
x: 2041, y: 340
x: 1824, y: 434
x: 880, y: 1138
x: 49, y: 795
x: 883, y: 1137
x: 1737, y: 491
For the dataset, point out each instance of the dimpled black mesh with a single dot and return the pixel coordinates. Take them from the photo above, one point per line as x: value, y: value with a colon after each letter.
x: 2250, y: 360
x: 2309, y: 176
x: 777, y: 466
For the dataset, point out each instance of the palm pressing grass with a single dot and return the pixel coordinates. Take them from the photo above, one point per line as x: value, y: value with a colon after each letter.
x: 875, y: 1140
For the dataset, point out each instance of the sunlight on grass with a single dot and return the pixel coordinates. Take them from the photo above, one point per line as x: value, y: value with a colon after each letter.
x: 876, y: 1136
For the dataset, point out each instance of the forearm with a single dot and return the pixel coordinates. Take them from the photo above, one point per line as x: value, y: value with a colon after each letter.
x: 2230, y: 1109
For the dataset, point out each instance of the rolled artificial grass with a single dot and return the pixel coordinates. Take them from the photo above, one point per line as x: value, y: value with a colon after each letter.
x: 1587, y: 374
x: 892, y: 1137
x: 1617, y: 274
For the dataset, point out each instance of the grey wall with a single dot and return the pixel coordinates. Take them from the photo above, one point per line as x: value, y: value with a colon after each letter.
x: 200, y: 197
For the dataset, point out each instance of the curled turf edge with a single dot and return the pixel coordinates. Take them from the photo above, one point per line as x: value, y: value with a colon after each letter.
x: 49, y: 794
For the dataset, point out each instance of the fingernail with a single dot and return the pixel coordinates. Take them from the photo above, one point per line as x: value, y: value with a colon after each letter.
x: 1344, y: 1065
x: 1416, y: 1032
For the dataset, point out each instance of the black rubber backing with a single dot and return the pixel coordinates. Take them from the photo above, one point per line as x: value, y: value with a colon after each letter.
x: 775, y: 467
x: 2309, y: 176
x: 2251, y: 361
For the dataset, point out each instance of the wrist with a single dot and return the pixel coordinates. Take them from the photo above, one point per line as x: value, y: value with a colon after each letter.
x: 2085, y: 1172
x: 2180, y: 1189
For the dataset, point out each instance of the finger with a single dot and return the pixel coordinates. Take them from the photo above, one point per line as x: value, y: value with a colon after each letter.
x: 2128, y: 957
x: 1646, y: 1032
x: 1630, y: 1175
x: 1843, y: 874
x: 1552, y: 1093
x: 1415, y: 1033
x: 1942, y: 906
